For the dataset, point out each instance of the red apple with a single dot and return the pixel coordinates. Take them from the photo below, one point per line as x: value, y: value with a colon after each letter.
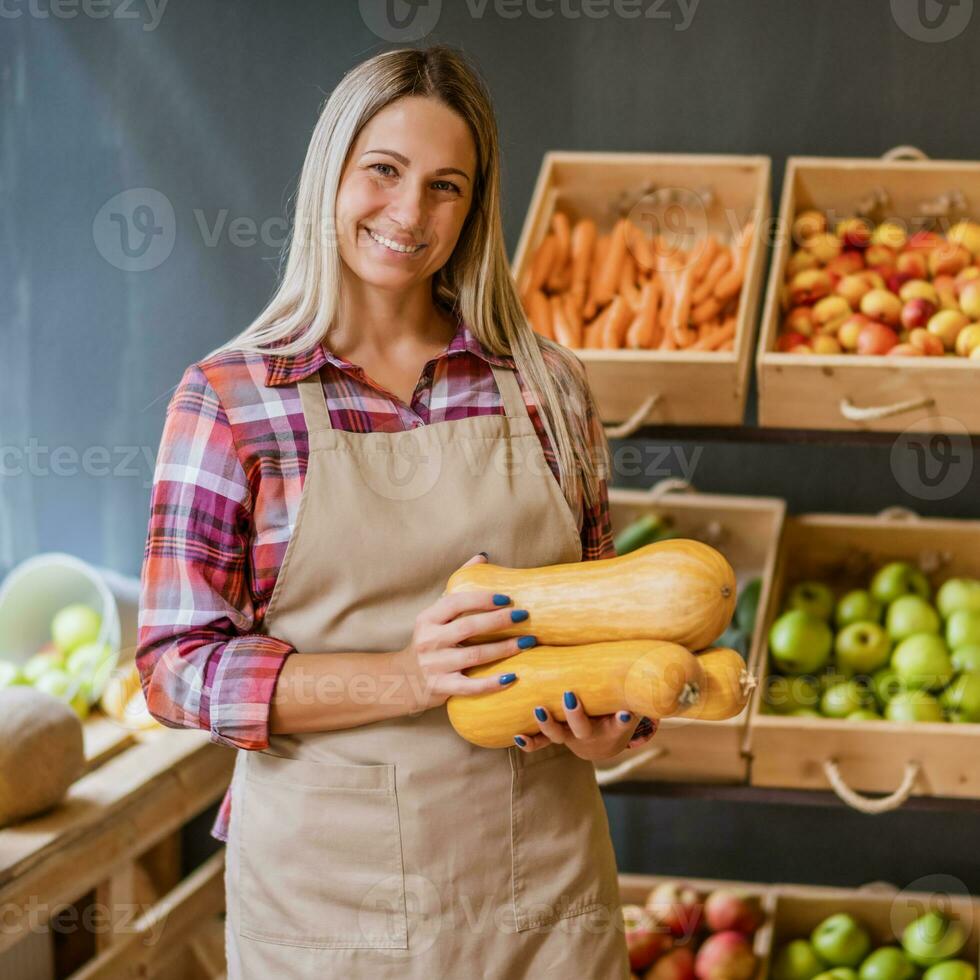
x: 787, y: 341
x: 645, y: 940
x: 895, y: 280
x: 725, y: 956
x: 916, y: 312
x: 676, y: 907
x: 678, y: 964
x: 726, y: 910
x: 876, y: 338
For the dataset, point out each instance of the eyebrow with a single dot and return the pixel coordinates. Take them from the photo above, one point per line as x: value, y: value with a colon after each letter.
x: 405, y: 161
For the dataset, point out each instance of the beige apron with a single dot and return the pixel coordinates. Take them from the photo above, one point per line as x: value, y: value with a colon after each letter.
x: 396, y: 848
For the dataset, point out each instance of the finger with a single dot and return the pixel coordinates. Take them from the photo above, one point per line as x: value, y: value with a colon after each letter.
x: 531, y: 743
x: 448, y: 607
x: 575, y: 717
x: 645, y: 730
x: 463, y: 658
x: 482, y: 624
x: 476, y: 559
x: 549, y: 725
x: 460, y: 684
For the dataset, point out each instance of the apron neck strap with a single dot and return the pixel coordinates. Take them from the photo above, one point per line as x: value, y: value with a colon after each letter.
x: 317, y: 415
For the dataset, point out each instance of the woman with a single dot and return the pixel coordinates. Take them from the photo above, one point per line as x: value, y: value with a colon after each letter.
x: 319, y: 479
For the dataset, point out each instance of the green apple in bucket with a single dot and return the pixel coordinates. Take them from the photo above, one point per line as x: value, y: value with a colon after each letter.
x: 61, y: 685
x: 958, y: 593
x: 932, y: 938
x: 75, y: 625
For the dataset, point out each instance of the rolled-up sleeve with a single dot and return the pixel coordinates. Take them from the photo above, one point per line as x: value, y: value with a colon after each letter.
x: 200, y: 660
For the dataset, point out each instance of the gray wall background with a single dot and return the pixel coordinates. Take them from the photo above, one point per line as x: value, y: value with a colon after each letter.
x: 209, y: 105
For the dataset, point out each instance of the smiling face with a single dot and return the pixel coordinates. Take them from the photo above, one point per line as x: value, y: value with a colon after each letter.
x: 405, y: 193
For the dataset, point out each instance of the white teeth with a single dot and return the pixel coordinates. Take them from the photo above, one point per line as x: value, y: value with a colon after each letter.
x: 394, y: 246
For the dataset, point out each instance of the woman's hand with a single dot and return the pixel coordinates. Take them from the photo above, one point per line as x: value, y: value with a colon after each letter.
x: 435, y: 661
x: 594, y: 737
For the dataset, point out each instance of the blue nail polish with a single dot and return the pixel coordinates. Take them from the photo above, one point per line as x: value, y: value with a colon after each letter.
x: 570, y: 700
x: 507, y: 678
x: 485, y: 555
x: 520, y: 741
x: 624, y: 716
x: 527, y: 641
x: 540, y: 714
x: 518, y: 615
x: 501, y: 600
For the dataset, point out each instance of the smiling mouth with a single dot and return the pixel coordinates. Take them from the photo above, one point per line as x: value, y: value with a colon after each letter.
x: 394, y: 246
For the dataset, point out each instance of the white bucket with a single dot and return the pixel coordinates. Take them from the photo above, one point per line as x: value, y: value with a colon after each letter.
x: 36, y: 589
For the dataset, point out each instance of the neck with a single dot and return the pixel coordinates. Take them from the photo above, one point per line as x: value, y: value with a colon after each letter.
x: 382, y: 322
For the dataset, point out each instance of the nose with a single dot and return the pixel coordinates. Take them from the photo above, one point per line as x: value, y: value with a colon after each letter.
x: 407, y: 207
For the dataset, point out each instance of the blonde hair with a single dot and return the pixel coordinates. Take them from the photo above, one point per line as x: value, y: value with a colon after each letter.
x: 475, y: 283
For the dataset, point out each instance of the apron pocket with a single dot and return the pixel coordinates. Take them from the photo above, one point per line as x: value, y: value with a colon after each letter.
x: 563, y: 861
x: 320, y: 857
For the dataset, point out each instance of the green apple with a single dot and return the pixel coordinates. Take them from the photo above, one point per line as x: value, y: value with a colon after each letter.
x: 74, y: 625
x: 840, y: 940
x: 951, y: 970
x: 863, y: 714
x: 885, y: 684
x: 747, y: 606
x: 796, y: 960
x: 961, y: 700
x: 10, y: 675
x: 933, y: 937
x: 843, y: 699
x: 958, y: 593
x: 913, y: 705
x: 786, y: 694
x: 966, y: 658
x: 896, y: 579
x: 963, y: 629
x: 41, y: 663
x: 887, y: 963
x: 857, y: 606
x: 911, y: 614
x: 92, y: 664
x: 861, y: 648
x: 922, y: 661
x: 837, y: 973
x: 61, y: 685
x: 800, y: 643
x: 814, y: 598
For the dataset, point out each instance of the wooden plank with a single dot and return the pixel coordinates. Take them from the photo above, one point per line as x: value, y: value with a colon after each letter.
x: 165, y: 930
x: 109, y: 816
x: 103, y: 739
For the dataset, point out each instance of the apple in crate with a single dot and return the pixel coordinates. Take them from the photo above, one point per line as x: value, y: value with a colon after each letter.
x: 911, y: 614
x: 726, y: 910
x: 678, y: 964
x: 951, y: 970
x: 888, y: 963
x: 957, y: 594
x: 963, y: 629
x: 961, y: 700
x: 840, y: 940
x: 857, y: 606
x: 933, y: 937
x: 862, y: 648
x: 796, y: 960
x: 645, y: 940
x: 676, y: 907
x: 725, y: 956
x: 896, y: 579
x: 922, y: 661
x: 814, y: 598
x: 800, y: 643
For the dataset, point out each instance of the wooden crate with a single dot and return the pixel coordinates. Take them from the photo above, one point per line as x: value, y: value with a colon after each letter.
x: 746, y: 530
x: 110, y: 853
x: 884, y: 911
x: 675, y: 387
x: 865, y: 392
x: 921, y: 758
x: 792, y: 911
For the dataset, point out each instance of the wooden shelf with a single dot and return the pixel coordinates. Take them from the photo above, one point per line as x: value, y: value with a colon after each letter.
x: 743, y: 793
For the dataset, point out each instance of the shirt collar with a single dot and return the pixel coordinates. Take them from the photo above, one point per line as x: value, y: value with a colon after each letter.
x: 286, y: 369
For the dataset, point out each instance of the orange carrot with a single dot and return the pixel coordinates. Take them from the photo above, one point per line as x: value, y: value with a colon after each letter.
x: 542, y: 262
x: 562, y: 231
x: 643, y: 332
x: 609, y: 276
x: 592, y: 303
x: 719, y: 266
x: 564, y: 331
x: 582, y: 245
x: 614, y: 329
x: 539, y: 314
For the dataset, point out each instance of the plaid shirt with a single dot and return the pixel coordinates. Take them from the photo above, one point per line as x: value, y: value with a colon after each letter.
x: 224, y: 501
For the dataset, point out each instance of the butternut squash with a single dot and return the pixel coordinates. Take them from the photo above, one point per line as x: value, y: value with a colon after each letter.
x: 679, y: 590
x: 649, y: 677
x: 727, y: 686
